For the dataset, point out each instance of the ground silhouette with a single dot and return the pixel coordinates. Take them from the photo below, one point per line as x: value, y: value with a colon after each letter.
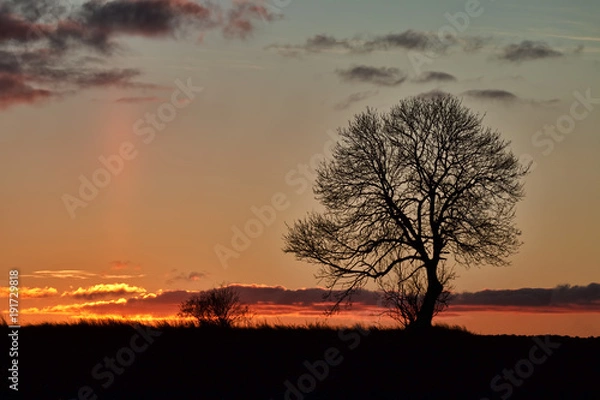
x: 186, y: 362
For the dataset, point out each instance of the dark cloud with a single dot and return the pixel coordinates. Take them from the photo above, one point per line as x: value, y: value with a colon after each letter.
x: 52, y: 48
x: 491, y: 94
x: 192, y: 276
x: 256, y: 294
x: 409, y: 39
x: 528, y: 50
x: 354, y: 98
x: 42, y: 11
x: 13, y: 27
x: 434, y: 76
x: 560, y: 296
x: 381, y: 76
x: 325, y: 42
x: 142, y: 17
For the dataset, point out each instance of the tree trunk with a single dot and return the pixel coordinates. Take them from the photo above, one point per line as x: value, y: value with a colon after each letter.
x: 434, y: 290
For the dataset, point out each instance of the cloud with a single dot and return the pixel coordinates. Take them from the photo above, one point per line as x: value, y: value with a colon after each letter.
x: 561, y: 297
x: 48, y: 50
x: 104, y: 290
x: 168, y: 18
x: 381, y: 76
x: 315, y: 44
x: 240, y: 18
x: 434, y: 76
x: 14, y: 27
x: 325, y: 42
x: 157, y: 304
x: 14, y: 89
x: 492, y: 94
x: 192, y: 276
x: 262, y: 294
x: 528, y: 50
x: 77, y: 274
x: 506, y: 97
x: 76, y: 308
x: 31, y: 292
x: 411, y: 40
x: 354, y: 98
x: 61, y: 274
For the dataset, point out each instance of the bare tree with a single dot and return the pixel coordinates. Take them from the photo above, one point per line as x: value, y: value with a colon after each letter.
x: 406, y: 189
x: 215, y: 307
x: 403, y: 296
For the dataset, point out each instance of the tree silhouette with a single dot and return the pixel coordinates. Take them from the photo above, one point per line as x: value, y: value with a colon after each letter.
x: 406, y: 189
x: 220, y: 307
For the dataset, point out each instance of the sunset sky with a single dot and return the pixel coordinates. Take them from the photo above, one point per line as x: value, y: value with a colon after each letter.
x: 140, y: 137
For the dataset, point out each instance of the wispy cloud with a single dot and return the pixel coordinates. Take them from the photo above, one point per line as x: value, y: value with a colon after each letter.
x: 581, y: 38
x: 354, y: 98
x: 77, y: 274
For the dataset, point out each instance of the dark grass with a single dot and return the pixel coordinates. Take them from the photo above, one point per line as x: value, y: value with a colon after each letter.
x: 185, y: 362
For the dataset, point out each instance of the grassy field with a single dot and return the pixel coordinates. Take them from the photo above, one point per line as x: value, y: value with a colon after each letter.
x: 123, y: 361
